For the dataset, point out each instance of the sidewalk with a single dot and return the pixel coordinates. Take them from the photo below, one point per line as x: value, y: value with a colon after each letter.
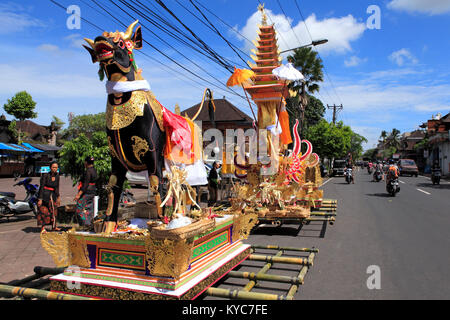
x: 20, y: 246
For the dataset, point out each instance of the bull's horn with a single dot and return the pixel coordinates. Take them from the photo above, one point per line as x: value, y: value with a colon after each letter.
x: 129, y: 31
x: 91, y: 42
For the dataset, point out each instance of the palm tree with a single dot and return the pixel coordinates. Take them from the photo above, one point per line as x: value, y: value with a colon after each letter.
x: 383, y: 135
x: 310, y: 65
x: 393, y: 140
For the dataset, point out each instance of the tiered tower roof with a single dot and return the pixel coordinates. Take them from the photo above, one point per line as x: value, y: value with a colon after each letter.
x: 266, y: 57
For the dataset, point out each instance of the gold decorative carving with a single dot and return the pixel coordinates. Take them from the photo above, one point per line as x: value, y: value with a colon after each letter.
x: 78, y: 249
x: 57, y: 245
x: 121, y: 116
x: 243, y: 224
x: 168, y: 258
x: 140, y: 147
x: 112, y: 151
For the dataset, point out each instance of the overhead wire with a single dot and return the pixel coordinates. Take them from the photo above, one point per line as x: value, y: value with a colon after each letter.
x: 324, y: 68
x: 227, y: 89
x: 175, y: 72
x: 167, y: 56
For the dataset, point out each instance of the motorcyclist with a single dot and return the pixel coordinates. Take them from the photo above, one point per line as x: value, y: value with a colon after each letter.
x: 435, y: 168
x: 369, y: 167
x: 378, y: 169
x: 349, y: 165
x: 392, y: 172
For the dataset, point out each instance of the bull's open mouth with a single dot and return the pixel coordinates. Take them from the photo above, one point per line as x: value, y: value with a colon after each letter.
x: 103, y: 50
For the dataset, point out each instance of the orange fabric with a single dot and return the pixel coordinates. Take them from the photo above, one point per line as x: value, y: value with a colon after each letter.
x: 173, y: 150
x: 286, y: 132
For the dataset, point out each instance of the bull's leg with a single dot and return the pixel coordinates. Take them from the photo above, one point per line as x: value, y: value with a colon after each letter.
x: 115, y: 187
x: 155, y: 186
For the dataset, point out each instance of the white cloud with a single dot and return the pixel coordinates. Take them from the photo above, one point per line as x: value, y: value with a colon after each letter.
x: 340, y: 32
x: 354, y: 61
x: 431, y: 7
x: 75, y: 40
x: 13, y: 18
x: 403, y: 56
x: 48, y: 47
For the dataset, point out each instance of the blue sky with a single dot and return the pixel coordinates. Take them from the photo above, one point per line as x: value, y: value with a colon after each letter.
x: 396, y: 76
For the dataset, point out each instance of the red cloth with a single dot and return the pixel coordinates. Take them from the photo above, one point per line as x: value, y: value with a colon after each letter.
x: 178, y: 133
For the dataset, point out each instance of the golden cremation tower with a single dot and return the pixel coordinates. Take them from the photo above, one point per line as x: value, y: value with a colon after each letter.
x: 267, y: 91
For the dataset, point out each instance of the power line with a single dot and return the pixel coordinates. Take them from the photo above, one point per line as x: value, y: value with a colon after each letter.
x: 324, y: 68
x: 335, y: 108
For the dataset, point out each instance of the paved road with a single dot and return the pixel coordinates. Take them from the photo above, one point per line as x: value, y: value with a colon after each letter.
x: 407, y: 237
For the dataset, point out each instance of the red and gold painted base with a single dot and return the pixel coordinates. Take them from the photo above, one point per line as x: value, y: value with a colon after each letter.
x: 149, y: 269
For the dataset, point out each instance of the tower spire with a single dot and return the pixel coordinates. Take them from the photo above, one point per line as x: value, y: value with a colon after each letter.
x: 263, y: 13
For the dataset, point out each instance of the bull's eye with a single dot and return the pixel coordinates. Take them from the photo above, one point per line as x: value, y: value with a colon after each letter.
x: 121, y: 44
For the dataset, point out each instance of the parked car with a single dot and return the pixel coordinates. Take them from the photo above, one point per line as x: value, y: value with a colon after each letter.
x: 338, y: 167
x: 408, y: 166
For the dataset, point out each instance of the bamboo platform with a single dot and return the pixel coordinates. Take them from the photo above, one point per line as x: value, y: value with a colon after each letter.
x: 257, y: 280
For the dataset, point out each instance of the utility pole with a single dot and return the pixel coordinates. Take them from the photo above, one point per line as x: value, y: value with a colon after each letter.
x: 335, y: 107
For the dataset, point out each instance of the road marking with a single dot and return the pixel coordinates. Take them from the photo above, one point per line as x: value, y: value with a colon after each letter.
x: 423, y: 191
x: 326, y: 181
x: 400, y: 181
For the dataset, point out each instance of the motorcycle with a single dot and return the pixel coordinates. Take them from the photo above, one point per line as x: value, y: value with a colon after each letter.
x: 348, y: 175
x: 369, y: 170
x: 436, y: 176
x: 9, y: 206
x: 377, y: 176
x: 392, y: 187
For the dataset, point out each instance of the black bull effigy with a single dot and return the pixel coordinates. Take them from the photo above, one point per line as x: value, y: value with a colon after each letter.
x: 134, y: 118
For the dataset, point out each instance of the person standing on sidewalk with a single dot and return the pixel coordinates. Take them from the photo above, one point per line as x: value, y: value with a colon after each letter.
x: 86, y: 193
x: 49, y: 199
x: 213, y: 184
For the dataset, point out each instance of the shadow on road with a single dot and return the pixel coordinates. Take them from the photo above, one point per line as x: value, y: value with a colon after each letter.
x: 32, y: 230
x: 290, y: 230
x: 283, y: 230
x: 381, y: 195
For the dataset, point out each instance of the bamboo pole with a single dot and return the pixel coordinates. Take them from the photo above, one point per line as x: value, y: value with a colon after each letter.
x: 249, y: 286
x: 264, y: 277
x: 274, y: 247
x: 330, y: 219
x: 240, y: 294
x: 323, y: 214
x: 40, y: 294
x: 274, y: 259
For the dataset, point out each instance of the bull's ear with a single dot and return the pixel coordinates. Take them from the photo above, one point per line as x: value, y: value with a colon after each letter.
x: 92, y: 53
x: 137, y: 38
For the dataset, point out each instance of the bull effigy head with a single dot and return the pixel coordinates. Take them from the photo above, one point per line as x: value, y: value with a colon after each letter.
x: 114, y: 52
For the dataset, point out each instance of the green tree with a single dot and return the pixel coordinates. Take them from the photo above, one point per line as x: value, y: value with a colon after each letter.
x: 310, y: 65
x: 57, y: 125
x: 330, y: 141
x: 393, y: 140
x: 21, y: 106
x: 12, y: 128
x: 370, y: 153
x: 356, y: 148
x: 314, y: 111
x: 87, y: 124
x: 74, y: 152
